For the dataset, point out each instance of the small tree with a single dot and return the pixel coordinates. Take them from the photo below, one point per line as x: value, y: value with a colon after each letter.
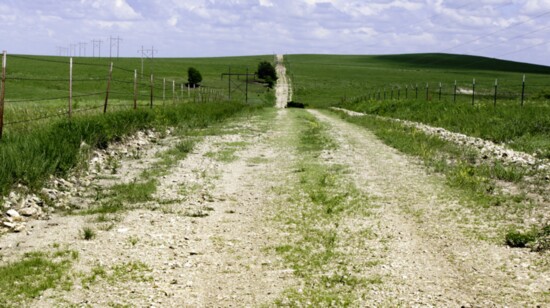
x: 267, y: 72
x: 194, y: 77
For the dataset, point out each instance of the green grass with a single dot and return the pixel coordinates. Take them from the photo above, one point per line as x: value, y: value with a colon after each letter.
x: 135, y: 192
x: 30, y: 158
x: 523, y: 128
x: 325, y: 80
x: 24, y: 280
x: 352, y: 81
x: 320, y: 200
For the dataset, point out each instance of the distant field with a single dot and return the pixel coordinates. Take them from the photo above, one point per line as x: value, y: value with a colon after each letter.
x: 324, y: 80
x: 361, y: 82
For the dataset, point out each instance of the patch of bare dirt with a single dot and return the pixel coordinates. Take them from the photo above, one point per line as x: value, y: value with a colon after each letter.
x: 429, y: 250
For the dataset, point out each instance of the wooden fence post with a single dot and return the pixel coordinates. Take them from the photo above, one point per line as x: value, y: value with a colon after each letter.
x: 108, y: 88
x: 3, y: 91
x: 439, y: 91
x: 135, y: 89
x: 416, y: 90
x: 523, y: 90
x: 152, y: 87
x: 454, y: 93
x: 70, y: 87
x: 163, y: 90
x: 473, y: 91
x: 495, y: 98
x: 173, y: 91
x: 246, y: 99
x: 427, y: 91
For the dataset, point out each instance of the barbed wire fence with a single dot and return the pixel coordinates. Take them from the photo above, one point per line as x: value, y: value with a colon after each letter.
x: 119, y: 88
x: 472, y: 92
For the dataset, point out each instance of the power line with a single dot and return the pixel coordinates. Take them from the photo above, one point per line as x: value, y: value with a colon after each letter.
x: 114, y: 41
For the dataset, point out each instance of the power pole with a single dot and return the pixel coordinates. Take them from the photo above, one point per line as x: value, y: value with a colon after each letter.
x: 81, y: 46
x: 72, y: 51
x: 147, y: 54
x: 114, y: 41
x: 96, y: 43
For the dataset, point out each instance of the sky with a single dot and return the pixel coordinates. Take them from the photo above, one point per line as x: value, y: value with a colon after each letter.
x: 507, y: 29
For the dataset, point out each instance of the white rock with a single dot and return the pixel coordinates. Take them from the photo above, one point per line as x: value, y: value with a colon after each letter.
x: 29, y: 211
x: 13, y: 213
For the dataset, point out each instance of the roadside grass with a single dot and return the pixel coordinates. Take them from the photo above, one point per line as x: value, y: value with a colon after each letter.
x: 479, y: 181
x: 320, y: 200
x: 524, y: 128
x: 132, y: 271
x: 226, y: 152
x: 30, y: 158
x: 26, y: 279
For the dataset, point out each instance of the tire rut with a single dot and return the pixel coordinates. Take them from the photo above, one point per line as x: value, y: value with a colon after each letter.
x: 429, y: 260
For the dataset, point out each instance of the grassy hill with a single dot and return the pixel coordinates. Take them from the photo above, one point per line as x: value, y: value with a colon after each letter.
x: 323, y: 80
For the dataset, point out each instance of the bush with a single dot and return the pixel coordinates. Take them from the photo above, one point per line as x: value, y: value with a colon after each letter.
x: 518, y: 239
x: 537, y: 239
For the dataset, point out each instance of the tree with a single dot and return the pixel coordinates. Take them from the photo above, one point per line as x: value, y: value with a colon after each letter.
x: 194, y: 77
x: 267, y: 72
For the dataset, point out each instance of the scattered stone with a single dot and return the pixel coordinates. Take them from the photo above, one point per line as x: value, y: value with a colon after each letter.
x: 13, y: 214
x: 29, y: 211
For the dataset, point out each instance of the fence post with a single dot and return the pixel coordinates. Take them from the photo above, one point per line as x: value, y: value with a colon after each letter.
x: 108, y: 88
x: 454, y: 93
x: 416, y: 90
x: 163, y: 90
x: 406, y: 91
x: 427, y: 91
x: 152, y: 87
x: 3, y: 91
x: 246, y: 99
x: 523, y: 90
x: 229, y: 83
x: 439, y: 91
x: 173, y: 91
x: 181, y: 86
x: 135, y: 89
x: 495, y: 98
x: 473, y: 91
x: 70, y: 87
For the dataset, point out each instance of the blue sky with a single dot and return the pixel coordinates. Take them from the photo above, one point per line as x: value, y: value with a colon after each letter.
x: 508, y: 29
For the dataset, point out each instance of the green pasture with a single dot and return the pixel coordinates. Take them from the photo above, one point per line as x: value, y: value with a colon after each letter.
x: 386, y: 86
x: 324, y: 80
x: 38, y: 86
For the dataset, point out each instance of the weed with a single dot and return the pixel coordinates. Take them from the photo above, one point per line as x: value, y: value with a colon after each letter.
x: 88, y: 233
x: 135, y: 192
x: 36, y: 272
x: 133, y: 240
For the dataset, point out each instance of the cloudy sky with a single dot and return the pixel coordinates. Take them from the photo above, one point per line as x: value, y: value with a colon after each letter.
x: 509, y: 29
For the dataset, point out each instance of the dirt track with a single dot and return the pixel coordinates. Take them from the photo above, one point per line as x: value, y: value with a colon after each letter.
x: 208, y: 238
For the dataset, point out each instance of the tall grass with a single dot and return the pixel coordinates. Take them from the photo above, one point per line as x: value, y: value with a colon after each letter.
x: 30, y: 157
x: 522, y: 128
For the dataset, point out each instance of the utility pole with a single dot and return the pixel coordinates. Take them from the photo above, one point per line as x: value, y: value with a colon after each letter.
x: 81, y: 46
x: 147, y: 54
x: 114, y: 41
x: 96, y: 43
x: 72, y: 51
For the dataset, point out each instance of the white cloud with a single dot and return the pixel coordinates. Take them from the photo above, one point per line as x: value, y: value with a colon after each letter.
x: 228, y: 27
